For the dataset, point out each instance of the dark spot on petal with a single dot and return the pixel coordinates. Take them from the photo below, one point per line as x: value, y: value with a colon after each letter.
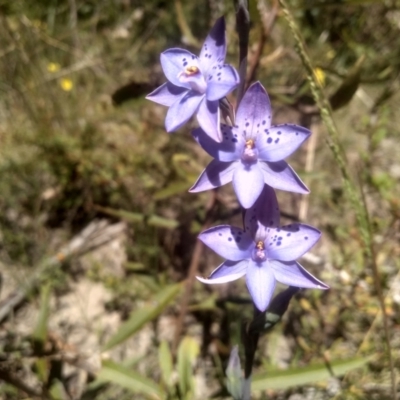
x: 247, y: 123
x: 279, y: 243
x: 185, y: 63
x: 306, y: 237
x: 280, y: 238
x: 230, y: 239
x: 279, y: 132
x: 263, y: 122
x: 269, y: 140
x: 277, y: 140
x: 220, y: 234
x: 297, y: 133
x: 288, y: 234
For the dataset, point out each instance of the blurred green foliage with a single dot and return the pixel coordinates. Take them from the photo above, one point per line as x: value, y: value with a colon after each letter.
x: 69, y: 155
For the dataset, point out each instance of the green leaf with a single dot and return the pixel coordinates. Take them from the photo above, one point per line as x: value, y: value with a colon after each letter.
x: 144, y: 314
x: 349, y: 86
x: 57, y: 391
x: 128, y: 379
x: 166, y: 365
x: 153, y: 220
x: 40, y: 332
x: 284, y: 379
x: 161, y: 222
x: 172, y: 189
x: 187, y: 353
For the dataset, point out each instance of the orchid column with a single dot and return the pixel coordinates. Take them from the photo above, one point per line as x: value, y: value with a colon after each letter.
x: 250, y: 154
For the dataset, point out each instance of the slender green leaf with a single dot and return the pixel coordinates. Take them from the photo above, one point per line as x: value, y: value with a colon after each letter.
x: 284, y: 379
x: 348, y: 87
x: 145, y: 314
x: 153, y: 220
x: 187, y: 353
x: 161, y: 222
x: 128, y: 379
x: 166, y: 364
x: 40, y: 332
x: 172, y: 189
x: 57, y: 391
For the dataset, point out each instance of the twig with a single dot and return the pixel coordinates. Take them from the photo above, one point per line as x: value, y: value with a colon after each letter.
x: 187, y: 35
x: 193, y: 267
x: 96, y: 234
x: 268, y: 19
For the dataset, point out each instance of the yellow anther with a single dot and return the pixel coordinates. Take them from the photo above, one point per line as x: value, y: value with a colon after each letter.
x: 191, y: 70
x: 260, y: 245
x: 250, y: 144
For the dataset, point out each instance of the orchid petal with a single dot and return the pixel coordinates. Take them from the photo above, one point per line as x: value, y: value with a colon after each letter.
x: 166, y: 94
x: 221, y: 80
x: 290, y: 242
x: 228, y: 271
x: 214, y: 47
x: 254, y: 112
x: 228, y: 241
x: 230, y: 149
x: 263, y: 215
x: 279, y: 142
x: 174, y: 62
x: 248, y: 183
x: 216, y: 174
x: 280, y: 175
x: 181, y: 111
x: 261, y: 283
x: 208, y: 118
x: 293, y: 274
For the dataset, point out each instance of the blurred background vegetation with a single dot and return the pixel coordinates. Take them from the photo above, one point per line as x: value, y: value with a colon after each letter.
x: 98, y: 233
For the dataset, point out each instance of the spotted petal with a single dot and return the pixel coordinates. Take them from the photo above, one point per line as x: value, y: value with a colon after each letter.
x: 290, y: 242
x: 228, y: 271
x: 293, y: 274
x: 278, y: 142
x: 263, y: 214
x: 166, y: 94
x: 174, y: 61
x: 208, y: 117
x: 181, y: 111
x: 214, y: 47
x: 280, y: 175
x: 221, y: 80
x: 216, y: 174
x: 254, y: 112
x: 248, y: 182
x: 261, y: 283
x: 230, y: 149
x: 229, y: 242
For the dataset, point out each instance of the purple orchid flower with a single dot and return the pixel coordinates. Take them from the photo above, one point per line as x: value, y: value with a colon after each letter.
x: 252, y: 151
x: 263, y: 251
x: 196, y: 84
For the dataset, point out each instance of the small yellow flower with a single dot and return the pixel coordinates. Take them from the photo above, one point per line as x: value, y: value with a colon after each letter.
x: 320, y: 75
x: 66, y: 84
x: 53, y: 67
